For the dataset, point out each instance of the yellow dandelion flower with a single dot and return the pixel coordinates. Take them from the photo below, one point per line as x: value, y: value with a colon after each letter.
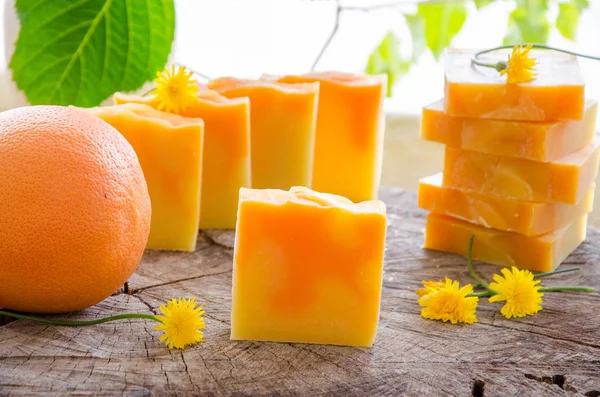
x: 430, y: 287
x: 175, y: 91
x: 450, y: 303
x: 182, y: 323
x: 518, y: 288
x: 519, y: 68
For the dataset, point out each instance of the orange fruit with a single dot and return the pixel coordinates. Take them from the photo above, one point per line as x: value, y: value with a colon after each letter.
x: 74, y: 209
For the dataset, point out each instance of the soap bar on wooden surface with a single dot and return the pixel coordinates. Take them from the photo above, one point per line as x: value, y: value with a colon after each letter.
x: 282, y: 136
x: 540, y: 253
x: 525, y: 217
x: 350, y: 128
x: 566, y: 180
x: 307, y: 268
x: 475, y: 91
x: 541, y: 141
x: 169, y: 148
x: 226, y: 158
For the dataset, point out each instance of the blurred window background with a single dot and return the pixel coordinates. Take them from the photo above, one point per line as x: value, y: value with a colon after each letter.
x: 248, y: 37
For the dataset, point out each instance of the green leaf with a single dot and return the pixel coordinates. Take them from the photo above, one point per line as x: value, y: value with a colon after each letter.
x: 528, y: 23
x: 80, y: 52
x: 417, y: 31
x: 568, y: 17
x: 443, y: 21
x: 386, y: 59
x: 482, y: 3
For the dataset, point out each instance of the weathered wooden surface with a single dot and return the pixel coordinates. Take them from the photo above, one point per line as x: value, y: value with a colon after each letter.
x: 554, y: 353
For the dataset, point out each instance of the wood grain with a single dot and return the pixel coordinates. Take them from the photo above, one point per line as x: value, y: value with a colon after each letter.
x: 555, y: 353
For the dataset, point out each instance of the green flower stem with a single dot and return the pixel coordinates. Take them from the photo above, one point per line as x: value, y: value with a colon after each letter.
x: 481, y: 294
x: 566, y: 288
x: 568, y: 269
x: 76, y: 323
x: 541, y: 275
x: 499, y: 66
x: 472, y: 272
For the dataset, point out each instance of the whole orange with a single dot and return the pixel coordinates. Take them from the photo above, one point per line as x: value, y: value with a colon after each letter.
x: 74, y: 209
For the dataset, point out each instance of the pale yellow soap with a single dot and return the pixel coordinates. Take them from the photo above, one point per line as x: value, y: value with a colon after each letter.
x: 226, y: 157
x: 169, y: 148
x: 283, y: 121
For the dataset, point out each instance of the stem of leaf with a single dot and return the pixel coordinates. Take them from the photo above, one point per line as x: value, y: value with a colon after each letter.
x: 79, y: 323
x: 566, y: 288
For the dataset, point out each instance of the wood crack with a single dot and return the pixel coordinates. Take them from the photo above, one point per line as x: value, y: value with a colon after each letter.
x: 135, y: 291
x: 580, y: 343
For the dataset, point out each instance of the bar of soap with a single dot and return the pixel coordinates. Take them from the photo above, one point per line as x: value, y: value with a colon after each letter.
x: 540, y: 253
x: 169, y: 148
x: 566, y: 180
x: 541, y: 141
x: 307, y: 268
x: 226, y: 158
x: 283, y: 123
x: 524, y: 217
x: 474, y: 91
x: 350, y: 128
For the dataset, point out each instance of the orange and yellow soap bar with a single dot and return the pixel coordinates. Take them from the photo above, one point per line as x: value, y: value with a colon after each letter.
x: 557, y: 93
x: 350, y: 128
x: 283, y: 123
x: 566, y: 180
x: 307, y: 268
x: 540, y: 141
x: 169, y: 148
x: 525, y: 217
x: 539, y: 253
x: 226, y: 158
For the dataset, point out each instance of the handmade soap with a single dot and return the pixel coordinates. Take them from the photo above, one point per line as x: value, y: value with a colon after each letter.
x: 169, y: 148
x: 541, y: 141
x: 226, y: 158
x: 350, y: 127
x: 565, y: 180
x: 282, y: 135
x: 525, y: 217
x: 475, y: 91
x: 540, y: 253
x: 307, y: 268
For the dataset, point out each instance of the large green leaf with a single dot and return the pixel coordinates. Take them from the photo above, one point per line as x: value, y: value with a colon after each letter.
x: 528, y: 23
x: 443, y: 21
x: 386, y: 59
x: 568, y: 17
x: 80, y: 52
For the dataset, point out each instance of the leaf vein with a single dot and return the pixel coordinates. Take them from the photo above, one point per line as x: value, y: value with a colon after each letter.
x: 62, y: 12
x: 129, y: 21
x: 56, y: 39
x: 43, y: 71
x: 81, y: 47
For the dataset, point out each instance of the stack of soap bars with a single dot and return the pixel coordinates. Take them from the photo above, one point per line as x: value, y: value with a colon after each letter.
x: 319, y: 130
x: 520, y: 163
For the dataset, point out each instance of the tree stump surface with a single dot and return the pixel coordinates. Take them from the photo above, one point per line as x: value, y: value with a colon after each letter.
x: 554, y: 353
